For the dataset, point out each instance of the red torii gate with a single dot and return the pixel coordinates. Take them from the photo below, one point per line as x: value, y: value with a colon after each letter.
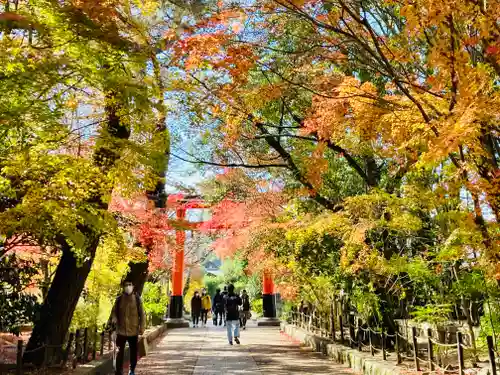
x: 175, y: 316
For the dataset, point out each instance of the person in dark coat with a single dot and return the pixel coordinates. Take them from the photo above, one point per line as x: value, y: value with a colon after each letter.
x: 224, y: 296
x: 196, y: 308
x: 232, y: 303
x: 245, y: 309
x: 218, y: 307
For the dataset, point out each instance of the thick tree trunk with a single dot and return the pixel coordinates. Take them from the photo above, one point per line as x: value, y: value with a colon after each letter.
x: 51, y: 326
x: 138, y: 274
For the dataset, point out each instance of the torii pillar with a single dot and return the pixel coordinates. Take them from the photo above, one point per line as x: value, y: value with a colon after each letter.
x: 175, y: 316
x: 268, y: 302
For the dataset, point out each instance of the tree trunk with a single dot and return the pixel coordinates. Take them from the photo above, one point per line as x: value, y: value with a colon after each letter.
x: 138, y: 274
x: 57, y: 310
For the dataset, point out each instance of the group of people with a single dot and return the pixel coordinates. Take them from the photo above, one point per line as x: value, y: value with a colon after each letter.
x: 128, y: 318
x: 228, y: 308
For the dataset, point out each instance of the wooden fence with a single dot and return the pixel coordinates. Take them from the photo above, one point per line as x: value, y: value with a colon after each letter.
x: 81, y: 346
x: 429, y: 355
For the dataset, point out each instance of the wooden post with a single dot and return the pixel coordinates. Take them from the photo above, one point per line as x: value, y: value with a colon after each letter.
x: 415, y: 347
x: 359, y: 333
x: 94, y: 345
x: 110, y: 339
x: 332, y: 321
x: 19, y: 359
x: 101, y: 351
x: 491, y: 355
x: 372, y: 350
x: 325, y: 325
x: 78, y: 346
x: 85, y: 345
x: 430, y: 349
x: 384, y: 354
x: 309, y: 321
x: 341, y: 328
x: 460, y: 350
x: 46, y: 353
x: 321, y: 324
x: 398, y: 356
x: 68, y: 348
x: 351, y: 330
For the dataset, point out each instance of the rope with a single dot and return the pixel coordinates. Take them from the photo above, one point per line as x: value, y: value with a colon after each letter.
x: 443, y: 345
x: 403, y: 337
x: 405, y: 357
x: 365, y: 346
x: 34, y: 350
x: 9, y: 345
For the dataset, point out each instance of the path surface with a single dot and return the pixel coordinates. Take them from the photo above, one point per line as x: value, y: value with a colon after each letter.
x: 205, y: 351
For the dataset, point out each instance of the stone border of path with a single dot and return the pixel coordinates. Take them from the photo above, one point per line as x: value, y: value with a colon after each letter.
x: 104, y: 365
x: 359, y: 362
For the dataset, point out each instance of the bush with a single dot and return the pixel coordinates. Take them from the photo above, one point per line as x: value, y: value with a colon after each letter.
x: 17, y: 308
x: 257, y: 306
x: 155, y: 300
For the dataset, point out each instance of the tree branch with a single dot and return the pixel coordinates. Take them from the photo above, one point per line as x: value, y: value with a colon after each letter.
x: 228, y: 165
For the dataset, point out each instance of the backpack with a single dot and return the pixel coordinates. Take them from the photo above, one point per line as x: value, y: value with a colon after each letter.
x: 138, y: 303
x: 246, y: 303
x: 232, y: 307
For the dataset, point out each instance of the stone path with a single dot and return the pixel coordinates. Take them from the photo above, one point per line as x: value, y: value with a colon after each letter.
x: 205, y: 351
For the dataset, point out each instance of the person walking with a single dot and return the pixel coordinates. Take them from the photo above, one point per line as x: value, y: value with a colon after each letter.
x: 245, y: 309
x: 196, y: 308
x: 224, y: 295
x: 218, y: 307
x: 232, y: 304
x: 206, y: 306
x: 129, y: 318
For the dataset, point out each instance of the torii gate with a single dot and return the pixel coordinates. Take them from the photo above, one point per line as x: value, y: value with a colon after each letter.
x: 175, y: 316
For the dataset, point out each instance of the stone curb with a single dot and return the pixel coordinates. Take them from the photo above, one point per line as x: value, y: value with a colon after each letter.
x: 104, y: 365
x: 360, y: 362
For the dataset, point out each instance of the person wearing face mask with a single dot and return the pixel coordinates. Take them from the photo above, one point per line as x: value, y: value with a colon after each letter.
x: 196, y: 308
x: 130, y: 320
x: 206, y: 305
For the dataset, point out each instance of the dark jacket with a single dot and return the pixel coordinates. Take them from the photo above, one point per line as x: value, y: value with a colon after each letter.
x: 232, y: 302
x: 218, y: 305
x: 246, y: 303
x: 195, y: 305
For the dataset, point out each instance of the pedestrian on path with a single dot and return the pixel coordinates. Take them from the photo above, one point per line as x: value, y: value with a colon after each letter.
x: 218, y: 307
x: 224, y: 296
x: 129, y: 318
x: 206, y: 306
x: 245, y: 309
x: 196, y: 308
x: 232, y: 304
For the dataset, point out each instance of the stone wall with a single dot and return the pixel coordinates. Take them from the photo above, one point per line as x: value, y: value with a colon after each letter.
x: 362, y: 363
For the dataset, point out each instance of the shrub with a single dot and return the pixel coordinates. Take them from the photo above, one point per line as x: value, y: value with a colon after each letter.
x: 257, y: 306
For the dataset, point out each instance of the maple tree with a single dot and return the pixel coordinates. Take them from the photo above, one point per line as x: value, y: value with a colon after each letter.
x: 379, y: 121
x: 80, y: 120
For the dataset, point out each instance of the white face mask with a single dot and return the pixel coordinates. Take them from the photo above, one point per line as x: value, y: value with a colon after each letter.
x: 129, y: 289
